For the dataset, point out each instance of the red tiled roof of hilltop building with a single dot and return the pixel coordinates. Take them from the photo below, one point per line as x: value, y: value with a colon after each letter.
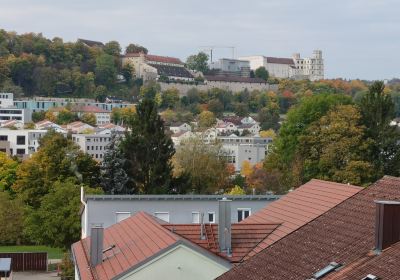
x: 89, y: 109
x: 345, y: 234
x: 156, y: 58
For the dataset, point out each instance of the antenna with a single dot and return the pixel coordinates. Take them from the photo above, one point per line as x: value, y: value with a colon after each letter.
x: 211, y: 49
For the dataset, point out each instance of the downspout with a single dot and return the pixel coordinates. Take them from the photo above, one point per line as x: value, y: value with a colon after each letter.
x: 85, y: 212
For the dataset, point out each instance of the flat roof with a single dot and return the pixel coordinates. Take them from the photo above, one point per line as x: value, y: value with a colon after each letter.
x: 5, y: 264
x: 181, y: 197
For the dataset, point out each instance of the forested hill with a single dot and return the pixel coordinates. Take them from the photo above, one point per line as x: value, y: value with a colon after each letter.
x: 33, y: 65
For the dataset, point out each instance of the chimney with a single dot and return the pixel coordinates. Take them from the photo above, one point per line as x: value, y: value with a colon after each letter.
x: 202, y: 236
x: 387, y: 224
x: 96, y: 245
x: 224, y: 226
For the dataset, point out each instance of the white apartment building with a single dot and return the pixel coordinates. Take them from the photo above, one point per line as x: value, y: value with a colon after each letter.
x: 21, y: 143
x: 240, y: 149
x: 93, y: 144
x: 231, y: 67
x: 9, y: 112
x: 295, y: 67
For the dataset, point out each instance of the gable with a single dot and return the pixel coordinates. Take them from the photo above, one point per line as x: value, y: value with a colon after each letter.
x: 179, y: 262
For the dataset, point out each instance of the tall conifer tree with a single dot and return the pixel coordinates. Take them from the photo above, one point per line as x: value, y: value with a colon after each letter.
x: 148, y: 151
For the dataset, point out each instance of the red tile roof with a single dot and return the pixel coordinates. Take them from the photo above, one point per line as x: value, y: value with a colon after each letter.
x: 156, y: 58
x: 135, y: 240
x: 234, y: 79
x: 344, y: 234
x: 299, y: 207
x: 279, y: 60
x: 244, y: 237
x: 89, y: 109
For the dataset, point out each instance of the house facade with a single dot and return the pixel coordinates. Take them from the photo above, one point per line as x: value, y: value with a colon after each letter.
x: 21, y: 143
x: 177, y: 209
x: 94, y: 145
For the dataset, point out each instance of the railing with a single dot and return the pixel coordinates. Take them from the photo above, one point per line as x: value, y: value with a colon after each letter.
x: 27, y: 261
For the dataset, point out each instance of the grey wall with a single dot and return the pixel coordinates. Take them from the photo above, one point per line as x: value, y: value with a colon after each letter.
x: 180, y: 211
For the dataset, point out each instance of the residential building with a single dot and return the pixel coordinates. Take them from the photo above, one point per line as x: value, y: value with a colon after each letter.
x: 102, y: 116
x: 176, y: 209
x: 311, y: 68
x: 12, y: 124
x: 357, y: 239
x: 180, y: 136
x: 226, y: 128
x: 230, y: 67
x: 79, y: 127
x: 46, y: 125
x: 180, y: 127
x: 21, y: 143
x: 142, y: 246
x: 37, y: 104
x: 252, y: 128
x: 248, y: 148
x: 154, y: 67
x: 94, y: 145
x: 6, y: 99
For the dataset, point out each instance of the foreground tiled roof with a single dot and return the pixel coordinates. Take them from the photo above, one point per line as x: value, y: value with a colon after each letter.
x: 344, y: 234
x: 299, y: 207
x: 89, y: 109
x: 244, y: 237
x: 135, y: 240
x: 279, y: 60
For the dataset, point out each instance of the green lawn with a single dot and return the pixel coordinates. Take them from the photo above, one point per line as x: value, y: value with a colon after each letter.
x: 53, y: 253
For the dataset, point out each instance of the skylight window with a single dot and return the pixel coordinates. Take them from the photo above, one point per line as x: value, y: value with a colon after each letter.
x: 370, y: 277
x: 326, y: 270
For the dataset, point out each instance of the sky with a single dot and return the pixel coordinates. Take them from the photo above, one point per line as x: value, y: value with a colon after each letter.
x: 358, y: 38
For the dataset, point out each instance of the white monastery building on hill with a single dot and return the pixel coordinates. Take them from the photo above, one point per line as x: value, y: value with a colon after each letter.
x: 295, y: 67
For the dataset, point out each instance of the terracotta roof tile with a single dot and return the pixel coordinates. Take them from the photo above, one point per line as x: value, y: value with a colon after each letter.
x: 344, y: 234
x: 300, y: 206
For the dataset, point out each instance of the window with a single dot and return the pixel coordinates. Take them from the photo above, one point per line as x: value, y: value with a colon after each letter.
x: 20, y: 151
x: 196, y: 217
x: 3, y: 138
x: 243, y: 213
x: 211, y: 217
x: 20, y: 140
x: 120, y: 216
x: 162, y: 216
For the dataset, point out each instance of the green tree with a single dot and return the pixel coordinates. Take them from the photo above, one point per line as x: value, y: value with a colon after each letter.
x: 112, y: 48
x: 113, y: 178
x: 57, y: 159
x: 56, y: 222
x: 334, y: 148
x: 215, y: 106
x: 148, y: 151
x: 206, y: 119
x: 377, y: 110
x: 38, y: 116
x: 269, y: 118
x: 198, y: 62
x: 11, y: 217
x: 8, y: 169
x: 128, y: 71
x: 262, y: 73
x: 65, y: 116
x: 135, y: 48
x: 106, y: 71
x: 89, y: 118
x: 205, y: 164
x: 282, y: 158
x: 170, y: 98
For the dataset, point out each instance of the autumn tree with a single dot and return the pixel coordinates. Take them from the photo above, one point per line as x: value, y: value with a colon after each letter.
x: 205, y: 164
x: 8, y: 169
x: 112, y: 48
x: 334, y: 148
x: 206, y: 119
x: 11, y: 217
x: 148, y: 151
x: 89, y: 118
x: 135, y: 48
x: 170, y: 98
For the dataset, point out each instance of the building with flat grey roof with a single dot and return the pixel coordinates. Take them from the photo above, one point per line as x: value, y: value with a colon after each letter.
x: 176, y: 209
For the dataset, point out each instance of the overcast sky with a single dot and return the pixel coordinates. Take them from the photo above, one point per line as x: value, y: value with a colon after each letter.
x: 359, y: 38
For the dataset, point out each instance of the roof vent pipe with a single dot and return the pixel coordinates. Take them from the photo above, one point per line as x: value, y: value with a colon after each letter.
x: 96, y: 245
x: 387, y: 224
x: 224, y: 226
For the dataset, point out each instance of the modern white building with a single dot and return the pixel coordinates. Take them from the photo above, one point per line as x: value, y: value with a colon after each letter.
x: 102, y: 116
x: 8, y: 112
x: 21, y: 143
x: 93, y: 144
x: 240, y: 149
x: 231, y: 67
x: 295, y: 67
x: 180, y: 127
